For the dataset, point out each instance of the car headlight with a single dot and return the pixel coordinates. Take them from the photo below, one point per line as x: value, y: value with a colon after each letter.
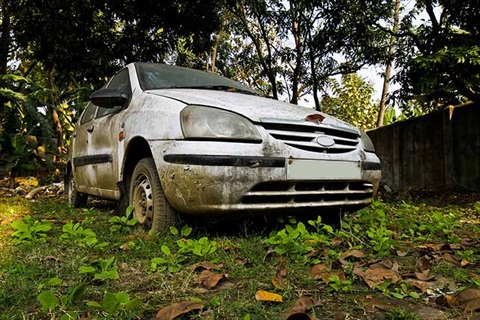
x: 367, y: 142
x: 200, y: 122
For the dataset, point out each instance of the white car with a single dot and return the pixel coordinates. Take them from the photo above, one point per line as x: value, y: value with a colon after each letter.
x: 170, y: 140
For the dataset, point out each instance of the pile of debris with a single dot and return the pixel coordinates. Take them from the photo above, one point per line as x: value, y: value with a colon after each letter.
x: 29, y: 188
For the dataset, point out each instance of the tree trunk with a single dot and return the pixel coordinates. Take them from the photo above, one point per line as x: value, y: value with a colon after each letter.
x: 55, y: 118
x: 4, y: 49
x: 216, y: 44
x: 297, y: 35
x: 388, y: 69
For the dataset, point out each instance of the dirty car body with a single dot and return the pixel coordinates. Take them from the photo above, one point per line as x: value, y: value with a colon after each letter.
x: 209, y: 145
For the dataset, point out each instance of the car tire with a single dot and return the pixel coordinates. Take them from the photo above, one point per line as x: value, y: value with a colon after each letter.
x: 150, y: 206
x: 75, y: 198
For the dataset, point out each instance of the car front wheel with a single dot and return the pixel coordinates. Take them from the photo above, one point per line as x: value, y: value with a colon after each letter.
x: 75, y: 198
x: 150, y: 206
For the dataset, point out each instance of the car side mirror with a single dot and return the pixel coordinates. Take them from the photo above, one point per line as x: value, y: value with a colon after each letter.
x: 109, y: 98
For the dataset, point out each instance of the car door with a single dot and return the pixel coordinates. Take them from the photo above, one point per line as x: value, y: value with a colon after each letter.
x: 107, y: 141
x: 81, y: 149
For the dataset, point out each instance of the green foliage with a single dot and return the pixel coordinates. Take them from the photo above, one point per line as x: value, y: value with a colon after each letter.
x: 296, y: 240
x: 400, y: 291
x: 202, y: 247
x: 441, y: 224
x: 184, y: 232
x: 83, y: 237
x: 169, y: 261
x: 52, y: 302
x: 115, y: 305
x: 352, y: 101
x: 29, y: 232
x: 439, y: 55
x: 380, y: 239
x: 125, y: 223
x: 101, y: 269
x: 337, y: 285
x: 32, y: 286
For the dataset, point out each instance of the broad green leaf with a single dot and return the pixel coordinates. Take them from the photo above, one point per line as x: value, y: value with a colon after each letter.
x: 94, y: 304
x: 87, y: 269
x: 110, y: 302
x: 77, y: 293
x: 52, y: 282
x: 166, y: 250
x: 48, y: 300
x: 132, y: 304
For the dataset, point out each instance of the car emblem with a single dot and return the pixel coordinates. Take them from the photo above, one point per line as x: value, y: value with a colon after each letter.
x: 325, y: 141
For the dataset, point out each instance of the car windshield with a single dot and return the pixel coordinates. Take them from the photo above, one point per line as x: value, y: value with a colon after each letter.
x: 162, y: 76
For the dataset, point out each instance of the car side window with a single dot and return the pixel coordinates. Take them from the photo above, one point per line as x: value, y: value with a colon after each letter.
x: 121, y: 81
x: 89, y: 113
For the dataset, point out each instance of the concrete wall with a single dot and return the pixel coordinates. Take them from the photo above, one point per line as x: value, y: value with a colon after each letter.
x: 432, y: 151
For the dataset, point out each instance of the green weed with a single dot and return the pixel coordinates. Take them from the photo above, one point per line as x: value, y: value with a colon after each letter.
x: 75, y: 234
x: 55, y: 302
x: 101, y: 269
x: 117, y: 305
x: 202, y: 247
x: 169, y: 261
x: 29, y: 232
x: 125, y: 223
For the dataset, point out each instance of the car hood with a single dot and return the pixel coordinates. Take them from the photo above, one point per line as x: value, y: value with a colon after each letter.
x: 256, y: 108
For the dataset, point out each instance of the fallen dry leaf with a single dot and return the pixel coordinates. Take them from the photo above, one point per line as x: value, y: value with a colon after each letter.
x: 424, y: 263
x: 376, y: 276
x: 278, y: 279
x: 401, y: 253
x: 262, y: 295
x: 178, y: 308
x: 430, y: 247
x: 424, y: 275
x: 446, y: 300
x: 336, y: 242
x: 354, y: 253
x: 323, y: 272
x: 124, y: 246
x: 207, y: 266
x: 241, y: 262
x: 209, y: 279
x: 419, y: 284
x: 454, y: 246
x: 317, y: 270
x: 448, y: 257
x: 469, y: 299
x: 303, y: 304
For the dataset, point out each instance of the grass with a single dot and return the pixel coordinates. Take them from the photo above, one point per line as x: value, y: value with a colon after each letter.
x: 42, y: 279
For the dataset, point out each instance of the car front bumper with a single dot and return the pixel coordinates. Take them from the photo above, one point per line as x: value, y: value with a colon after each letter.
x: 249, y: 178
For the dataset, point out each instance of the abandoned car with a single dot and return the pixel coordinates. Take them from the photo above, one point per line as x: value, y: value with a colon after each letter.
x: 168, y: 140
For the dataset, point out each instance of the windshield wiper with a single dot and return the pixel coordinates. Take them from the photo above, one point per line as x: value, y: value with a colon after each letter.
x: 217, y: 87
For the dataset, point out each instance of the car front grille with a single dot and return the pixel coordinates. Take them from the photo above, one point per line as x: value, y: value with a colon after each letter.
x: 303, y: 135
x: 312, y: 193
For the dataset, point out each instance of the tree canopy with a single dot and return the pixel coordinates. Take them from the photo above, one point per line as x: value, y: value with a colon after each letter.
x: 54, y: 53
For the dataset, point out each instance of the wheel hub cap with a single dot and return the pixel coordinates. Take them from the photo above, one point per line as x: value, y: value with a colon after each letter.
x: 143, y: 201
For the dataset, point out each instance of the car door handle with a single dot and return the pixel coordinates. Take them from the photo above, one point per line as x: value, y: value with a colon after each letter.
x: 90, y: 129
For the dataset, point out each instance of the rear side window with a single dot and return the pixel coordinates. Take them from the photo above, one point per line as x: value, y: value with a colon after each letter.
x: 89, y: 113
